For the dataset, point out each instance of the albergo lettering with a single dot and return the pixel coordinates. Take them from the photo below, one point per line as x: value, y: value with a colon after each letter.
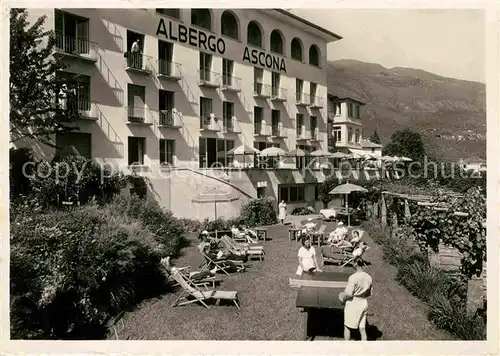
x: 264, y: 59
x: 192, y: 36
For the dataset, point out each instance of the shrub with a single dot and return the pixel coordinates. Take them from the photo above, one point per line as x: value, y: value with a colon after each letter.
x: 19, y: 181
x: 79, y: 181
x: 90, y: 265
x: 303, y: 210
x: 259, y: 212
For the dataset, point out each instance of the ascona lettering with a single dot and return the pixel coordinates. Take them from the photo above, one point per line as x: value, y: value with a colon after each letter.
x: 192, y: 36
x: 264, y: 59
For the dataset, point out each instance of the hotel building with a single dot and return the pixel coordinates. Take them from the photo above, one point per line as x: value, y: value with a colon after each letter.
x: 167, y: 93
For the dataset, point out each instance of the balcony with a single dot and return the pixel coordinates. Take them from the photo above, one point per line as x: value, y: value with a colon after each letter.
x: 170, y: 119
x: 229, y: 125
x: 230, y: 83
x: 138, y: 63
x: 261, y: 91
x: 261, y: 129
x: 168, y: 70
x: 302, y: 99
x: 76, y: 48
x: 208, y: 79
x: 278, y: 131
x: 210, y: 123
x: 138, y: 115
x: 87, y: 110
x: 315, y: 135
x: 278, y: 94
x: 303, y: 134
x: 316, y: 102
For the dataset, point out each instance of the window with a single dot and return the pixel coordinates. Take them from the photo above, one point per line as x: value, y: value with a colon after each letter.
x: 227, y: 115
x: 337, y: 109
x: 227, y: 72
x: 229, y: 25
x: 258, y: 115
x: 167, y: 151
x: 314, y: 123
x: 165, y: 57
x: 299, y: 84
x: 258, y: 75
x: 350, y: 137
x: 275, y: 122
x: 205, y: 111
x: 254, y: 34
x: 136, y: 99
x: 201, y: 18
x: 77, y: 91
x: 296, y: 50
x: 314, y: 55
x: 223, y: 146
x: 275, y: 81
x: 276, y: 42
x: 136, y: 150
x: 82, y: 142
x: 353, y: 110
x: 166, y: 106
x: 72, y: 33
x: 358, y: 136
x: 292, y: 194
x: 175, y: 13
x: 312, y: 90
x: 337, y: 133
x: 205, y: 66
x: 300, y: 122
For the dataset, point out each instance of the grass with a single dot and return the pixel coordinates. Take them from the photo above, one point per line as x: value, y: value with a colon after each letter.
x: 268, y: 309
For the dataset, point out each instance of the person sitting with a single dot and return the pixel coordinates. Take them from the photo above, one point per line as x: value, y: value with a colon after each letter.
x: 208, y: 249
x: 356, y: 238
x: 250, y: 234
x: 237, y: 233
x: 338, y: 236
x: 171, y: 269
x: 308, y: 262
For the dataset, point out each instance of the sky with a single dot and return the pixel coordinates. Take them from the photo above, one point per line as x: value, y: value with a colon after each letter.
x: 450, y: 43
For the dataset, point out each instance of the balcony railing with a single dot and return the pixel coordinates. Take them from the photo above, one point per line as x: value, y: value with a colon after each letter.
x: 169, y: 118
x: 316, y: 102
x: 85, y: 108
x: 75, y: 47
x: 262, y: 91
x: 138, y: 115
x: 302, y: 99
x: 207, y: 78
x: 303, y: 134
x: 278, y: 130
x: 229, y: 125
x: 169, y: 70
x: 231, y: 83
x: 262, y: 129
x: 278, y: 94
x: 209, y: 123
x: 138, y: 62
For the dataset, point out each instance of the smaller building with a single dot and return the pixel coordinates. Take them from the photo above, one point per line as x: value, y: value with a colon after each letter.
x: 473, y: 164
x: 345, y: 128
x: 368, y: 148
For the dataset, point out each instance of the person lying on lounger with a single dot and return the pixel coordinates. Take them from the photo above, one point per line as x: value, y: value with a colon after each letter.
x: 208, y: 249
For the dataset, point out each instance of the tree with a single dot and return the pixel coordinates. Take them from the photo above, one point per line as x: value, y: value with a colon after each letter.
x: 34, y: 111
x: 374, y: 137
x: 406, y: 143
x: 325, y: 188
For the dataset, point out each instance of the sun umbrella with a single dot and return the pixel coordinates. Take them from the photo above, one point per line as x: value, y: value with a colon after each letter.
x: 339, y: 155
x: 321, y: 153
x: 298, y: 153
x: 272, y: 151
x: 346, y: 189
x: 405, y: 159
x: 243, y: 150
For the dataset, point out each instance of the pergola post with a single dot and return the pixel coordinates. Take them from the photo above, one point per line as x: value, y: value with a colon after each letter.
x: 383, y: 219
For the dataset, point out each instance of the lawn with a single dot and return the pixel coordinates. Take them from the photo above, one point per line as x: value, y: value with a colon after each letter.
x: 268, y: 309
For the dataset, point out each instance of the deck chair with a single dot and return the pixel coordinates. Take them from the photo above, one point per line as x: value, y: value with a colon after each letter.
x: 241, y: 246
x: 197, y: 295
x: 221, y: 265
x: 318, y: 235
x: 250, y: 253
x: 199, y: 278
x: 357, y: 253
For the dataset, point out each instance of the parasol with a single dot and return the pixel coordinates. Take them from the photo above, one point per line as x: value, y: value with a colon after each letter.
x: 346, y: 189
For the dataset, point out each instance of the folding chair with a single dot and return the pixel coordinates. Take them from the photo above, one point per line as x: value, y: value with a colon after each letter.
x: 190, y: 290
x: 241, y: 247
x: 221, y: 264
x: 357, y: 253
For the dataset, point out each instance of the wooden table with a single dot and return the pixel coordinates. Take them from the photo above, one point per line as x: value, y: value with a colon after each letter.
x: 293, y: 233
x: 318, y: 296
x: 261, y: 231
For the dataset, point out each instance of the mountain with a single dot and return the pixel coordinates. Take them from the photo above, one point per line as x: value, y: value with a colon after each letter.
x: 449, y: 113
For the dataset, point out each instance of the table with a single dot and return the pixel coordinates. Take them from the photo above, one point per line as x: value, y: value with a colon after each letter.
x: 261, y: 231
x: 293, y: 233
x: 318, y: 297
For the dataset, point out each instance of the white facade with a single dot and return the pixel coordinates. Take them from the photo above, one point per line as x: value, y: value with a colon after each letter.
x: 197, y: 84
x: 344, y: 116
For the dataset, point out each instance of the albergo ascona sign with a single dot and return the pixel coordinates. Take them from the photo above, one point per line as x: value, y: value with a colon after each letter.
x: 199, y: 39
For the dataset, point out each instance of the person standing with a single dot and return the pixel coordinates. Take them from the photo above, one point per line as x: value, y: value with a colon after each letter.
x: 308, y: 262
x: 282, y: 211
x: 358, y: 289
x: 136, y: 55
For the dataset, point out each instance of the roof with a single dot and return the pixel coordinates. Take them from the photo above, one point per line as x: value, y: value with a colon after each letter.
x: 370, y: 144
x: 474, y: 160
x: 309, y: 23
x: 335, y: 98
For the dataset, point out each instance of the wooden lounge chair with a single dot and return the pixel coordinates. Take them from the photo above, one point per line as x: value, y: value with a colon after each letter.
x: 221, y: 264
x: 241, y: 246
x: 349, y: 257
x: 250, y: 253
x: 197, y: 295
